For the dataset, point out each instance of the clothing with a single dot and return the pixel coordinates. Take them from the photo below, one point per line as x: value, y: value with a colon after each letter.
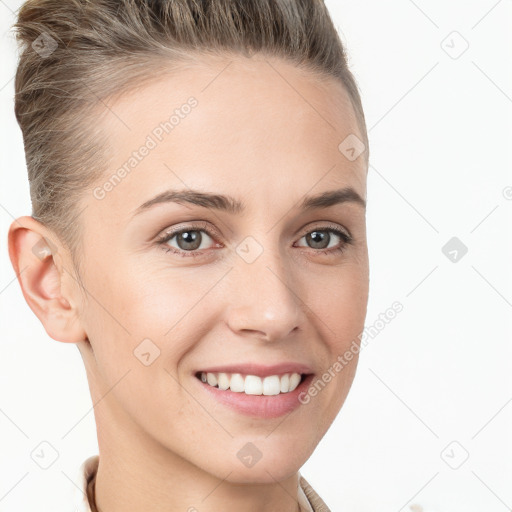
x: 308, y: 499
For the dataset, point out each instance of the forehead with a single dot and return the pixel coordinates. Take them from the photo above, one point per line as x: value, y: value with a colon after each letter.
x: 230, y: 123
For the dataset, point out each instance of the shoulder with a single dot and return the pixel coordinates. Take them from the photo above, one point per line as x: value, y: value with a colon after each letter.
x: 317, y: 504
x: 86, y: 472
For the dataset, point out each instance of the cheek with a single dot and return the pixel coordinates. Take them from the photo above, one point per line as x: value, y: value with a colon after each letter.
x: 169, y: 308
x: 138, y: 332
x: 141, y: 304
x: 341, y: 304
x: 338, y: 306
x: 147, y: 324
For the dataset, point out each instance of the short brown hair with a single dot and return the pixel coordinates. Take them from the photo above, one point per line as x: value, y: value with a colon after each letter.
x: 77, y: 53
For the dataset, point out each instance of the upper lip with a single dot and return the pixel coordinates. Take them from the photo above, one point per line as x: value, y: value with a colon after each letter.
x: 259, y: 369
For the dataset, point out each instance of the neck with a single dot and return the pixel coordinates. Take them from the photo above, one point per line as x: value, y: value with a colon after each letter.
x: 137, y: 473
x: 139, y: 484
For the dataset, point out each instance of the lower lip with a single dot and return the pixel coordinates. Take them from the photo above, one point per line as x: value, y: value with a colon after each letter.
x: 261, y: 406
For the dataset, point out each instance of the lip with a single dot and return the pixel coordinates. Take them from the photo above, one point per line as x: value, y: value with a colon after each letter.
x: 259, y: 369
x: 260, y: 406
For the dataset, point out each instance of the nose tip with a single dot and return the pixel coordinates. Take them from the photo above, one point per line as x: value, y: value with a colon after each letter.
x: 270, y: 311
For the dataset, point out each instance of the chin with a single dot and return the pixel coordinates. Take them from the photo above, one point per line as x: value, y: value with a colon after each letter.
x: 268, y: 465
x: 261, y: 473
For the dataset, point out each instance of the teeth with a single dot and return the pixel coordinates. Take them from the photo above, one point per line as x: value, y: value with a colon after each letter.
x: 285, y: 383
x: 211, y: 378
x: 223, y: 381
x: 272, y: 385
x: 252, y: 384
x: 294, y: 380
x: 236, y: 383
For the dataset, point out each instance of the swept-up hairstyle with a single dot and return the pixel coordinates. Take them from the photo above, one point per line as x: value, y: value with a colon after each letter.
x: 75, y: 54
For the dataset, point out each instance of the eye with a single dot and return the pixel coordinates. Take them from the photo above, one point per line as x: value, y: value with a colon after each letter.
x: 321, y: 237
x: 188, y: 240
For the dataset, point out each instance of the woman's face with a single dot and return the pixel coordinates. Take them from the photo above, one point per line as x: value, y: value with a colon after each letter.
x: 264, y: 281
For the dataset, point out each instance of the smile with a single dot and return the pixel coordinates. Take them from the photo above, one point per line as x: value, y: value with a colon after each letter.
x: 252, y: 384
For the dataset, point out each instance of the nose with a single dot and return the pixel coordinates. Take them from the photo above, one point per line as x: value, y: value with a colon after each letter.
x: 266, y: 303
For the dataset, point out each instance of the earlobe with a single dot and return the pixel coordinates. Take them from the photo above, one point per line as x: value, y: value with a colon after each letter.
x: 33, y: 256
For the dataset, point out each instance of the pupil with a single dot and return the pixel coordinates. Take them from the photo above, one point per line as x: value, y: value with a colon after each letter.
x: 190, y: 241
x: 321, y: 236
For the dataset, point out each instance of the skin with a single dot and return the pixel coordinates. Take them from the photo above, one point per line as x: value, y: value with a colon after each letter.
x: 254, y: 137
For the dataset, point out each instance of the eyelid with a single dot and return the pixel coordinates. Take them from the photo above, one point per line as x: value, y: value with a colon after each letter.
x: 201, y: 225
x: 326, y: 225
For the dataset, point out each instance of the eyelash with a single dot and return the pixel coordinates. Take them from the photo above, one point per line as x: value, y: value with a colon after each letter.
x: 162, y: 240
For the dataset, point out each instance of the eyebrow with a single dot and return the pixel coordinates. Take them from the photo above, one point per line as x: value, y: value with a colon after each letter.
x: 234, y: 206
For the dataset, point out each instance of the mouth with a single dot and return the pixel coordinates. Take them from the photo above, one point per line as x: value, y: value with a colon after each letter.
x: 269, y: 385
x: 265, y: 397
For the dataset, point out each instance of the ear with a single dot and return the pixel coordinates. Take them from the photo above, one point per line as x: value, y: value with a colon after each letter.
x: 38, y: 258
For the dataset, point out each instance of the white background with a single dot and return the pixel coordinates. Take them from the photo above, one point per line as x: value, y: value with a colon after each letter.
x: 435, y: 385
